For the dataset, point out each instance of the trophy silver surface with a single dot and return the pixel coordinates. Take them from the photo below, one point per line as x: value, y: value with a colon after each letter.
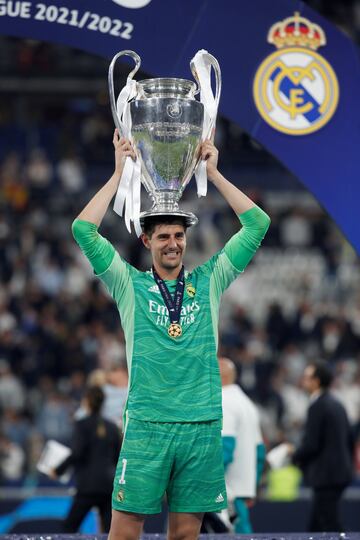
x: 166, y: 129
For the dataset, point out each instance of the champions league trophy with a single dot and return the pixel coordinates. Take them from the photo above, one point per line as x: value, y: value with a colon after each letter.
x: 166, y: 125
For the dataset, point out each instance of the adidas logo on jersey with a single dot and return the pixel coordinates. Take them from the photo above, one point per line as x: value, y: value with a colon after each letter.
x: 219, y: 498
x: 154, y: 288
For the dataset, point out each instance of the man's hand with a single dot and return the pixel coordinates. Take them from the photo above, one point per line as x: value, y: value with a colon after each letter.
x: 290, y: 449
x: 209, y: 153
x: 52, y: 474
x: 123, y: 148
x: 95, y: 210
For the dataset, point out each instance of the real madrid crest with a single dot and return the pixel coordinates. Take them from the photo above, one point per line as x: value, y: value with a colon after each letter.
x: 295, y: 89
x: 190, y: 289
x: 120, y: 496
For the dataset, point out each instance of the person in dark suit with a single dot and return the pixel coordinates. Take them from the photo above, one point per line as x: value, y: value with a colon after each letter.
x: 95, y: 452
x: 325, y: 453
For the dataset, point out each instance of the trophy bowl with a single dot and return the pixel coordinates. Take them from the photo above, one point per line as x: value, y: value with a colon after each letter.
x: 167, y: 123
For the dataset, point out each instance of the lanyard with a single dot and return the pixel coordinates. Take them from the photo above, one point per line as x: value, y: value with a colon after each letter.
x: 173, y: 304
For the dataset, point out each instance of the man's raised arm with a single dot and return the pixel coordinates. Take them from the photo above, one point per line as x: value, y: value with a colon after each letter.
x: 255, y: 222
x: 97, y: 249
x: 95, y: 210
x: 238, y: 201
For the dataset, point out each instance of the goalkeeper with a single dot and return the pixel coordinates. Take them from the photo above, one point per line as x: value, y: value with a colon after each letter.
x: 172, y: 442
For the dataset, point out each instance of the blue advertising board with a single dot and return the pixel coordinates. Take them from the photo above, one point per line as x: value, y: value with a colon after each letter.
x: 290, y: 78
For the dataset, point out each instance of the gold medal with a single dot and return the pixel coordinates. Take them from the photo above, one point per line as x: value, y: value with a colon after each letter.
x: 174, y: 330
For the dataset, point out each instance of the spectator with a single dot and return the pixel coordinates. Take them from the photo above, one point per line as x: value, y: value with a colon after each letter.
x: 295, y: 230
x: 244, y: 450
x: 116, y: 390
x: 39, y: 173
x: 325, y: 453
x: 12, y: 393
x: 71, y: 174
x: 95, y: 451
x: 12, y: 459
x: 54, y: 420
x: 16, y: 427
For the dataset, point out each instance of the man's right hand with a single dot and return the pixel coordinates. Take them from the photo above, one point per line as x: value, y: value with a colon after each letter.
x: 290, y: 449
x: 123, y: 148
x: 95, y: 210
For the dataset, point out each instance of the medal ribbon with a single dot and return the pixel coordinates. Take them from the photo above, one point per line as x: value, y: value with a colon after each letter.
x: 173, y: 305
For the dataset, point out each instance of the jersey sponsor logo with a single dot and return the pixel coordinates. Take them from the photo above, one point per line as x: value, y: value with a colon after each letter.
x: 295, y: 89
x: 219, y: 498
x: 187, y: 314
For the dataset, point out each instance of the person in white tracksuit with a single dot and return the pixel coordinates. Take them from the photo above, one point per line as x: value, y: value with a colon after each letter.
x: 244, y: 450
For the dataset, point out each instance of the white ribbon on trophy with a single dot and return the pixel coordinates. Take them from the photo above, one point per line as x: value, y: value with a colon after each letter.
x: 201, y: 66
x: 129, y: 190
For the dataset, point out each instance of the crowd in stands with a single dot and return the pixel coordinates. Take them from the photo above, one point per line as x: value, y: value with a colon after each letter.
x: 299, y: 300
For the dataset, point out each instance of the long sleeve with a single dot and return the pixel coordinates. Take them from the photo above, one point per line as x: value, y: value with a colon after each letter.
x: 311, y: 442
x: 78, y: 449
x: 228, y: 449
x: 260, y: 461
x: 99, y: 251
x: 226, y: 265
x: 241, y: 248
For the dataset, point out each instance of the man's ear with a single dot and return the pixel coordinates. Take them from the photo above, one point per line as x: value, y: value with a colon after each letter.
x: 145, y: 240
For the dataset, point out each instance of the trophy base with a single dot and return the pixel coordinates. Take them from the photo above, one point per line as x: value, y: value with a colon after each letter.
x: 188, y: 217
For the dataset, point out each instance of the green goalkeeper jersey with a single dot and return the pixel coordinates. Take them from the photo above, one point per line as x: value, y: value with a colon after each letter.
x: 172, y: 379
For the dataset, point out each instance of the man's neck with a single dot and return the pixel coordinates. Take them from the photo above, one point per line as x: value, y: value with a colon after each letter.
x: 315, y: 394
x: 168, y: 273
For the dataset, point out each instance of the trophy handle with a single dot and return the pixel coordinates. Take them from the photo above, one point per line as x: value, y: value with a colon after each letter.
x: 215, y: 65
x: 137, y: 61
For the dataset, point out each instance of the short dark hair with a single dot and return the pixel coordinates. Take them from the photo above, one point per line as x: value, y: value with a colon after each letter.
x: 323, y: 372
x: 151, y: 222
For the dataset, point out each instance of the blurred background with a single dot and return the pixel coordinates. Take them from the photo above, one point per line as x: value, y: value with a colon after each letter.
x: 299, y: 300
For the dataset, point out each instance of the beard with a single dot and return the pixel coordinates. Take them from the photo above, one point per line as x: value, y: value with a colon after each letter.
x: 170, y: 264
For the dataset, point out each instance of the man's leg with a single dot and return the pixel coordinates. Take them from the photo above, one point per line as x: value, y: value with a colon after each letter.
x: 104, y: 506
x: 325, y: 511
x: 214, y: 522
x: 242, y: 521
x: 184, y: 526
x: 81, y: 505
x: 126, y: 526
x: 316, y: 510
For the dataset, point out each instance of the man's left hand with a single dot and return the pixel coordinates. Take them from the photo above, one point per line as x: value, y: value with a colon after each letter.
x: 210, y: 153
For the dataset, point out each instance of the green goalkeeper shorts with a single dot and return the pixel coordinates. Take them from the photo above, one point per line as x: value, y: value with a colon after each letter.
x: 183, y: 461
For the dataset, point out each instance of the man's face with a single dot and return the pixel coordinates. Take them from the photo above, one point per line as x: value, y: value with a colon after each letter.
x: 167, y: 245
x: 310, y: 383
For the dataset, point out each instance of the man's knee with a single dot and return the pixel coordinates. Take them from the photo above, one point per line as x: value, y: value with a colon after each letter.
x: 184, y: 526
x: 184, y: 533
x: 126, y: 526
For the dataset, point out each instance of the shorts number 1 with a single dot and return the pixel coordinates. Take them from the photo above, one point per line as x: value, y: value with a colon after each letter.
x: 122, y: 477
